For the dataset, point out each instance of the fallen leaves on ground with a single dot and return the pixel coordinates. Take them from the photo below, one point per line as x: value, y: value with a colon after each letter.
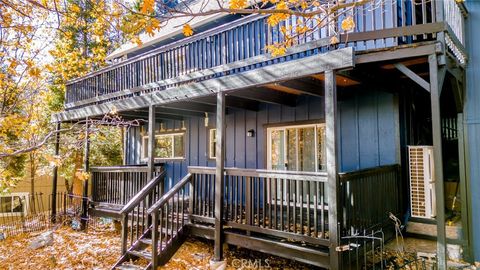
x: 97, y: 248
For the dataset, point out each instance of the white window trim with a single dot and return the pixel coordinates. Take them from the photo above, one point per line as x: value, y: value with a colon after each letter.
x: 24, y: 196
x: 211, y: 151
x: 145, y: 142
x: 285, y: 127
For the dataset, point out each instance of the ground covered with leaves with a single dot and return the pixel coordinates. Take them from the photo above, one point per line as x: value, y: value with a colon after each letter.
x: 99, y: 248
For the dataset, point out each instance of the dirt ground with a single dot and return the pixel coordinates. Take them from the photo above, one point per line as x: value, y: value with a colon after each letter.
x: 99, y: 248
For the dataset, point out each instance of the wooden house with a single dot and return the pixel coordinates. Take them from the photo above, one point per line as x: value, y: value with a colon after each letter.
x: 285, y: 155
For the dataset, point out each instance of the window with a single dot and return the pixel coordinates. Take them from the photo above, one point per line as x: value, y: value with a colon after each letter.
x: 212, y: 143
x: 167, y: 146
x: 14, y: 204
x: 297, y: 148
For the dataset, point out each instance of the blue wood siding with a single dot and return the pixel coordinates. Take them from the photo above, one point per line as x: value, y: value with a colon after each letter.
x: 472, y: 119
x: 368, y: 133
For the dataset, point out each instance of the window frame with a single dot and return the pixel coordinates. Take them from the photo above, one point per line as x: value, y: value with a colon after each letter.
x: 23, y: 196
x: 212, y: 154
x: 286, y: 126
x: 144, y: 155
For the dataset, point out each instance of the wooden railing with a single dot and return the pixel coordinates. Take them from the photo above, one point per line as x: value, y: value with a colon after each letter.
x: 278, y: 203
x: 240, y: 45
x: 117, y: 185
x: 135, y: 221
x: 455, y: 14
x: 169, y: 215
x: 368, y: 196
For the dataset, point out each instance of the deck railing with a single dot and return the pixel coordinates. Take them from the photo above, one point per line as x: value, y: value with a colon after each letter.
x: 284, y: 204
x: 117, y: 185
x: 368, y: 196
x: 240, y: 45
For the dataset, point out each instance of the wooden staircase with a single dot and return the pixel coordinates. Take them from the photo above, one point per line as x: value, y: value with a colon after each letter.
x: 152, y: 232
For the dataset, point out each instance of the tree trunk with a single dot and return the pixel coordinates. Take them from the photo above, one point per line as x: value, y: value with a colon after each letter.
x: 32, y: 181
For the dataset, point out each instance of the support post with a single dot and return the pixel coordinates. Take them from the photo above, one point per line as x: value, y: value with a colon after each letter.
x: 437, y: 156
x: 219, y: 176
x: 332, y: 166
x: 151, y: 155
x: 86, y: 168
x: 55, y: 175
x: 151, y: 142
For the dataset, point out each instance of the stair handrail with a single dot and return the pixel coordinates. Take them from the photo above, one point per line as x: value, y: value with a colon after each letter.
x: 167, y: 196
x: 135, y: 202
x: 154, y: 210
x: 142, y: 193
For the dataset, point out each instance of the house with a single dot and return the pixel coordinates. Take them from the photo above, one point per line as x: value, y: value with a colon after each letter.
x: 289, y: 154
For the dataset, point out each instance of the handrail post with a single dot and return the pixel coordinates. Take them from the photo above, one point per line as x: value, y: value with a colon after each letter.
x: 155, y: 239
x: 124, y: 234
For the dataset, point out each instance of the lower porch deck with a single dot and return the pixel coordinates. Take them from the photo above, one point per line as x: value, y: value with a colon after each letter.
x: 281, y: 213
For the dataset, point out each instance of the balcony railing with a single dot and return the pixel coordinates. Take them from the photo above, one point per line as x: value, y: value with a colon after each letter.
x: 240, y: 45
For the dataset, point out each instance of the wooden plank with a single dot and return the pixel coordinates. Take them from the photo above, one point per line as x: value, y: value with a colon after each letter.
x: 219, y: 176
x: 400, y: 52
x: 413, y: 76
x: 332, y: 169
x: 338, y: 59
x: 437, y: 155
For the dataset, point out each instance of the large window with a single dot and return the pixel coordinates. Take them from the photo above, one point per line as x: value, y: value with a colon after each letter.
x: 167, y: 146
x: 14, y: 204
x: 296, y: 148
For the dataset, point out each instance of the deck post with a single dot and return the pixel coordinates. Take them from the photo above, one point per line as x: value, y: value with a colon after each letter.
x: 437, y: 156
x: 55, y: 175
x: 332, y: 167
x: 151, y: 155
x: 219, y: 176
x: 86, y: 168
x: 151, y: 142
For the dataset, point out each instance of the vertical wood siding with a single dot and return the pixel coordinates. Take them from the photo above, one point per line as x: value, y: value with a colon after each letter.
x: 472, y: 120
x: 368, y: 123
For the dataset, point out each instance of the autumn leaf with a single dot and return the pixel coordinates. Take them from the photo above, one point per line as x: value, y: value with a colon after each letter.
x: 187, y: 30
x: 334, y: 40
x: 148, y: 6
x: 348, y: 24
x: 238, y: 4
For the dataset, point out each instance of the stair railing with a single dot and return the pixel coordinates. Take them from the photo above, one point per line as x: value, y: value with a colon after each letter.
x: 135, y: 211
x: 169, y: 215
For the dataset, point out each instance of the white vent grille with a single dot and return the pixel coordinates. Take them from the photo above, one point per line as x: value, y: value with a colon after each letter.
x: 422, y: 180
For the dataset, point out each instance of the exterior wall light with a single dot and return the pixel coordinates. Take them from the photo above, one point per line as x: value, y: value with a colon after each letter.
x: 251, y: 133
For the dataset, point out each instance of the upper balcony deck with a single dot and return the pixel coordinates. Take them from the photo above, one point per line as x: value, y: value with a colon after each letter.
x: 240, y: 45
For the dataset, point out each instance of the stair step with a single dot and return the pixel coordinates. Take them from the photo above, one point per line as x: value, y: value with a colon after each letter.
x: 141, y: 254
x: 146, y: 241
x: 129, y: 267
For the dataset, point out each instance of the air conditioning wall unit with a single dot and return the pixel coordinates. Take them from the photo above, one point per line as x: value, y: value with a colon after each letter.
x: 422, y: 181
